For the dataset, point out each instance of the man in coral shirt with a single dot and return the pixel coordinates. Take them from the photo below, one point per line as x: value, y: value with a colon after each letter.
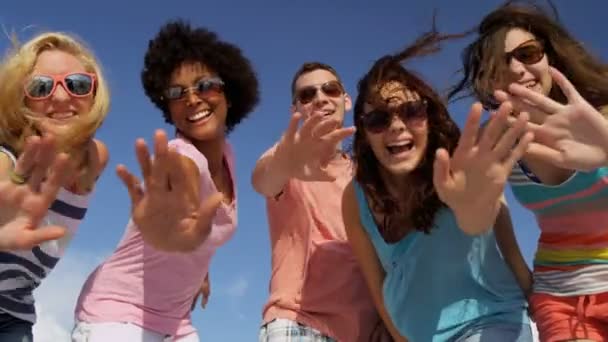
x: 317, y: 291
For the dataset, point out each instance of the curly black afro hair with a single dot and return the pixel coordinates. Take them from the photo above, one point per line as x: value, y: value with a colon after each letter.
x: 177, y: 42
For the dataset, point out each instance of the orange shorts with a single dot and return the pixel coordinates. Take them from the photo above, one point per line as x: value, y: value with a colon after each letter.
x: 567, y: 318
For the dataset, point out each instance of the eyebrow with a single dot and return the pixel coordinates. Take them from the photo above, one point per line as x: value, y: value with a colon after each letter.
x: 524, y: 43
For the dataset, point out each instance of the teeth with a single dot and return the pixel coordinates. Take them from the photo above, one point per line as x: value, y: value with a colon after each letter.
x: 199, y: 115
x: 60, y: 116
x: 399, y: 144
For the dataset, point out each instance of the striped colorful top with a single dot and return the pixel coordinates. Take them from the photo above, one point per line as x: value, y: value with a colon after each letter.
x: 572, y: 255
x: 21, y: 272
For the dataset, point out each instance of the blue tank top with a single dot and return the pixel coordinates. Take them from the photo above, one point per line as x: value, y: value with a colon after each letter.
x: 440, y: 285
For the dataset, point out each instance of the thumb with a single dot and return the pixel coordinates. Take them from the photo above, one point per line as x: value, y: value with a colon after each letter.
x: 206, y: 214
x: 441, y: 170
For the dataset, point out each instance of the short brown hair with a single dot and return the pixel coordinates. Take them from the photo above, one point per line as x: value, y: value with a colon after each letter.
x: 310, y: 67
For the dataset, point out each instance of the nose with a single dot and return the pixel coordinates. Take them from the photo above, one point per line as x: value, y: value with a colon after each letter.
x: 517, y: 68
x: 192, y: 98
x: 397, y: 124
x: 60, y: 94
x: 320, y: 98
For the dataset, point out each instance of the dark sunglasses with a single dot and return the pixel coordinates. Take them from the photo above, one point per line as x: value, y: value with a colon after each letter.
x: 40, y: 87
x: 529, y: 52
x: 204, y: 87
x: 379, y: 120
x: 307, y: 94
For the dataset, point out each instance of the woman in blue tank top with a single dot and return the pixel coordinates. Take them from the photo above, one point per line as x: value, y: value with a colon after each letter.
x: 421, y: 210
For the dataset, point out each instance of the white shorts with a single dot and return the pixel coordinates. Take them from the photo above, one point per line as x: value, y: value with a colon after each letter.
x: 122, y: 332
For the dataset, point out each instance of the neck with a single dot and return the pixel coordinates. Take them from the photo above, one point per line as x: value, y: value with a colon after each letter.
x: 213, y: 151
x: 395, y: 184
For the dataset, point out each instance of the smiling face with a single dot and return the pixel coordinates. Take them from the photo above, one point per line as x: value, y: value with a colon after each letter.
x: 527, y: 62
x: 200, y: 113
x: 320, y: 92
x: 400, y: 142
x: 60, y: 109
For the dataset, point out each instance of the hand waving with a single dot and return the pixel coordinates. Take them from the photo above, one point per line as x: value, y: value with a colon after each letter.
x: 29, y: 192
x: 307, y: 150
x: 573, y: 135
x: 471, y: 182
x: 170, y: 214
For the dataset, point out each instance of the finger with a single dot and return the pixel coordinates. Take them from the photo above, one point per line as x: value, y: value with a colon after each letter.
x: 518, y: 152
x: 32, y: 238
x: 565, y: 85
x: 160, y: 164
x: 27, y: 159
x: 546, y: 153
x: 536, y: 99
x: 324, y: 127
x: 143, y: 157
x: 44, y: 158
x: 509, y: 138
x: 292, y: 128
x: 60, y: 172
x: 338, y: 135
x: 309, y: 124
x: 206, y: 213
x: 131, y: 182
x: 441, y: 169
x: 495, y: 128
x: 468, y: 139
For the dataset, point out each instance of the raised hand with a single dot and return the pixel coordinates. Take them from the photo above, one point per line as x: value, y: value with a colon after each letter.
x: 306, y: 151
x: 169, y: 213
x: 472, y: 180
x: 29, y: 191
x: 573, y: 135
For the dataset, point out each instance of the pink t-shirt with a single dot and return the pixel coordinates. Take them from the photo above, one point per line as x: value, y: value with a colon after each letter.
x: 150, y: 288
x: 316, y: 279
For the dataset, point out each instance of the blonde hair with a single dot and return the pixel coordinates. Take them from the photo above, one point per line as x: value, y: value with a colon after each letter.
x: 17, y: 122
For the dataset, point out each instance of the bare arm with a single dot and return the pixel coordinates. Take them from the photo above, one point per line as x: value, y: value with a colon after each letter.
x: 507, y: 243
x: 269, y: 176
x: 366, y: 255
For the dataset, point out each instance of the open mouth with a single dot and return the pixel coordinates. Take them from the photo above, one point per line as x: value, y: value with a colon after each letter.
x: 200, y: 116
x: 400, y: 147
x: 62, y: 115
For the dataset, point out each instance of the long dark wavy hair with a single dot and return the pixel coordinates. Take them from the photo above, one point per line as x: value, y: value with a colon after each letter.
x: 423, y: 201
x: 483, y: 66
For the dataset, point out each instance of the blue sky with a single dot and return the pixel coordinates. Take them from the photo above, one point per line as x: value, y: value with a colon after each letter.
x: 277, y: 36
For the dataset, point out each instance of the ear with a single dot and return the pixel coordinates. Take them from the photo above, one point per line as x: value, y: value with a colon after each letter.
x: 348, y: 102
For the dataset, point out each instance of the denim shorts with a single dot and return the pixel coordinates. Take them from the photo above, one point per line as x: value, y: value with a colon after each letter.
x: 14, y: 329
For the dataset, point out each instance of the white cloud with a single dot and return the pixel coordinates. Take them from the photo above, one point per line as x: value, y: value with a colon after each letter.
x: 238, y: 288
x: 56, y: 297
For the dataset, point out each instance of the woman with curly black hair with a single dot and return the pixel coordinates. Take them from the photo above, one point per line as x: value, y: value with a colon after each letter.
x: 143, y: 291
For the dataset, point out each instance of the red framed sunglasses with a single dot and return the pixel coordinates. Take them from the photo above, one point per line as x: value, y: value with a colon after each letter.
x: 79, y: 84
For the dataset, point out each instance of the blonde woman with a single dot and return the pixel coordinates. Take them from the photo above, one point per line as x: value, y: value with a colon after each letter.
x: 51, y: 86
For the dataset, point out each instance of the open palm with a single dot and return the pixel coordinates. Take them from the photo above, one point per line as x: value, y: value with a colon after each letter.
x: 307, y: 150
x: 573, y: 135
x: 472, y: 180
x: 25, y: 205
x: 169, y: 213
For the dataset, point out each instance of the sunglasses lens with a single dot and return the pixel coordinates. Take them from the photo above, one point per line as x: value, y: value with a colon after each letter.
x: 306, y: 95
x: 79, y: 84
x: 529, y: 54
x: 39, y: 86
x: 414, y: 110
x: 376, y: 121
x: 174, y: 92
x: 332, y: 89
x: 209, y: 87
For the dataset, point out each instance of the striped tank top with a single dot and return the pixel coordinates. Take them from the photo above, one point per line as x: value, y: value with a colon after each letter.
x: 572, y: 254
x: 21, y: 272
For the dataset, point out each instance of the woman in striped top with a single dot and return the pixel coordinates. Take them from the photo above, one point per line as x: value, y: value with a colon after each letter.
x: 563, y: 178
x: 51, y: 85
